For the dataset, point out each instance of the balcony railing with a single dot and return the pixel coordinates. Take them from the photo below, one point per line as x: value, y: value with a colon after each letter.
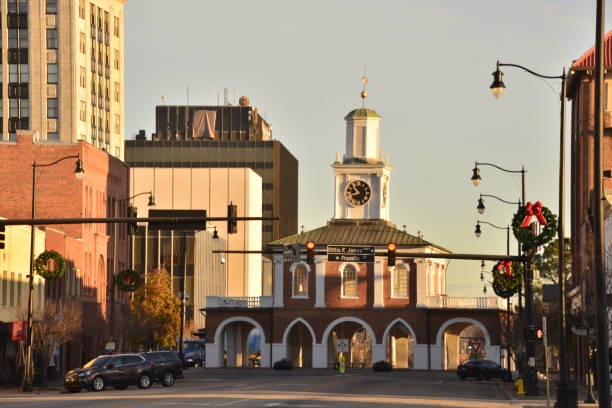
x: 238, y: 302
x: 450, y: 302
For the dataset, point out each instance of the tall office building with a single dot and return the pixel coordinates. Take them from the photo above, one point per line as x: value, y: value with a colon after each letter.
x: 62, y: 71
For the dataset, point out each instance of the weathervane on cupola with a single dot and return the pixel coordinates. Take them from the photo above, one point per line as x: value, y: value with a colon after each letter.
x: 364, y: 81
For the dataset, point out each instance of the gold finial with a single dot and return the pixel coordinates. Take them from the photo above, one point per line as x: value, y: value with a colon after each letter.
x: 364, y: 81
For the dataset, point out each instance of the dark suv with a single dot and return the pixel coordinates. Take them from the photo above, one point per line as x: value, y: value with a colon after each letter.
x: 166, y: 366
x: 120, y: 371
x: 480, y: 369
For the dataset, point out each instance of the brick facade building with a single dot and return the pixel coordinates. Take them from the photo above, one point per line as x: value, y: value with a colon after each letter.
x: 368, y: 309
x: 88, y: 248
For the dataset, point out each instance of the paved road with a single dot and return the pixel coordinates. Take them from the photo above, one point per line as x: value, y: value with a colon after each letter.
x: 418, y: 390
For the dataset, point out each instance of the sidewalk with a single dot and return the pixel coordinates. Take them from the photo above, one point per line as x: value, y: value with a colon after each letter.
x: 529, y: 401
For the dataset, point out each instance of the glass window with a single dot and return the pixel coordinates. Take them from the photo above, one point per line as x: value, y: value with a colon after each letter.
x: 13, y: 74
x: 24, y: 108
x: 1, y: 108
x: 349, y: 281
x: 24, y: 73
x: 53, y: 136
x: 52, y: 108
x: 97, y: 362
x: 52, y: 41
x: 52, y: 73
x: 132, y: 359
x: 23, y: 6
x: 300, y: 280
x: 12, y: 6
x: 400, y: 280
x: 13, y: 108
x: 116, y: 26
x: 12, y: 38
x: 23, y: 39
x: 51, y: 6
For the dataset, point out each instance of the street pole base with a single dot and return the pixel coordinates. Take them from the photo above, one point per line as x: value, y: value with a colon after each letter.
x: 25, y: 387
x: 567, y: 395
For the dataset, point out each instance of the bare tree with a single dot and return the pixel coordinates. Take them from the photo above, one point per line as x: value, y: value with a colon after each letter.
x: 52, y: 326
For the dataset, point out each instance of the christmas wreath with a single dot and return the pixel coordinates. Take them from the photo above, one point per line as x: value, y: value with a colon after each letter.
x: 128, y: 280
x: 522, y: 231
x: 503, y: 292
x: 42, y: 265
x: 507, y: 277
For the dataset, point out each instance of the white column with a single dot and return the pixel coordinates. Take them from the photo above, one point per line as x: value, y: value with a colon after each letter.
x: 421, y: 283
x: 279, y: 351
x: 239, y: 347
x: 320, y: 281
x: 420, y: 357
x: 378, y: 352
x: 378, y: 285
x: 213, y: 355
x: 319, y: 356
x: 278, y: 281
x: 436, y: 357
x: 230, y: 345
x: 265, y: 355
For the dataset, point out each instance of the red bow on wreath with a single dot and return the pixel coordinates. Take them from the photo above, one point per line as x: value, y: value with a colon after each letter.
x: 129, y: 280
x: 507, y: 266
x: 534, y: 209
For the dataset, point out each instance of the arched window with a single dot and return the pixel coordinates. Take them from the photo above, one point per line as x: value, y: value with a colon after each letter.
x: 300, y: 280
x: 400, y: 280
x: 349, y: 281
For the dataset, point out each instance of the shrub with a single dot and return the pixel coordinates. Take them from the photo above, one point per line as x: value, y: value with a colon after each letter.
x: 381, y: 366
x: 283, y: 364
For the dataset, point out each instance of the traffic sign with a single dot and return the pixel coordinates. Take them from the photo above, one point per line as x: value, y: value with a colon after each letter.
x: 350, y: 253
x: 342, y: 345
x: 475, y: 345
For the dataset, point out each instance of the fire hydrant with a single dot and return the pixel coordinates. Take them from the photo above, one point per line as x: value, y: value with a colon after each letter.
x: 520, y: 390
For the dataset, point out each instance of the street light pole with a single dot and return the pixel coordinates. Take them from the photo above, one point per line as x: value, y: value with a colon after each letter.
x: 27, y: 379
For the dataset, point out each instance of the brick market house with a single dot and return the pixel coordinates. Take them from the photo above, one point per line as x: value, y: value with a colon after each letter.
x: 400, y: 314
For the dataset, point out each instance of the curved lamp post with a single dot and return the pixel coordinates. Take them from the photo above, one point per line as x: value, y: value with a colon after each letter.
x: 566, y: 391
x: 26, y: 382
x: 481, y: 207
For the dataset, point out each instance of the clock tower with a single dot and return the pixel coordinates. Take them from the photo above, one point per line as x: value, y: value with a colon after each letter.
x: 362, y: 177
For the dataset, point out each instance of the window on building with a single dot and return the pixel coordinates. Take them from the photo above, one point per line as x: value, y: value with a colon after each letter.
x: 13, y: 73
x: 117, y: 123
x: 52, y: 108
x: 400, y: 280
x: 82, y: 43
x: 116, y: 26
x: 82, y: 76
x: 24, y: 73
x: 300, y: 280
x: 52, y: 74
x: 117, y: 60
x: 349, y: 281
x: 12, y: 38
x: 23, y: 6
x: 82, y: 9
x: 13, y: 108
x: 24, y: 42
x: 12, y: 6
x: 83, y: 111
x: 117, y: 92
x: 24, y: 108
x: 51, y: 6
x: 52, y: 39
x: 53, y: 136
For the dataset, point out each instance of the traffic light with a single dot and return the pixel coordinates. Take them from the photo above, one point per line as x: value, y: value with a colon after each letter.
x: 1, y: 236
x: 539, y: 334
x: 391, y: 248
x: 232, y: 225
x: 310, y: 252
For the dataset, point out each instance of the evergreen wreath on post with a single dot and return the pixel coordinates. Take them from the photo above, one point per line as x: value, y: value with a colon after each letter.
x: 522, y: 231
x: 128, y: 280
x: 507, y: 277
x: 41, y: 265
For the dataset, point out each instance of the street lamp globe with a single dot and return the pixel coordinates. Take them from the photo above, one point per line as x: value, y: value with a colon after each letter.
x: 215, y: 234
x: 484, y: 289
x: 480, y: 207
x: 151, y: 200
x: 498, y: 87
x: 481, y: 277
x: 476, y: 176
x: 79, y: 172
x: 477, y: 231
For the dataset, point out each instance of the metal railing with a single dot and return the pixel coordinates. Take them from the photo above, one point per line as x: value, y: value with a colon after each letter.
x: 239, y: 302
x: 451, y: 302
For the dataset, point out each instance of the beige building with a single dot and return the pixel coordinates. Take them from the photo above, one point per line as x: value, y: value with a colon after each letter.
x: 62, y: 70
x: 210, y: 189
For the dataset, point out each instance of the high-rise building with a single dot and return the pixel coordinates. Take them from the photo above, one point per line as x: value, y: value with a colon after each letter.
x: 62, y: 70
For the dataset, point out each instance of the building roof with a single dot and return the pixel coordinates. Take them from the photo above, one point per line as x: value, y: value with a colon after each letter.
x: 362, y: 113
x: 587, y: 60
x: 357, y: 232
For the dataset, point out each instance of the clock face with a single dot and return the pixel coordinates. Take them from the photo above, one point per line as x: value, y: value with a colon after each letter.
x: 358, y: 192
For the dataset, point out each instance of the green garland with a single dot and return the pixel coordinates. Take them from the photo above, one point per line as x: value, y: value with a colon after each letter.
x: 524, y: 234
x: 41, y: 265
x: 128, y: 280
x: 505, y: 285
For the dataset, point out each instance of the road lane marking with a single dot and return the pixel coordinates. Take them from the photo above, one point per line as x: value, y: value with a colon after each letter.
x: 235, y: 402
x: 182, y: 403
x: 281, y: 404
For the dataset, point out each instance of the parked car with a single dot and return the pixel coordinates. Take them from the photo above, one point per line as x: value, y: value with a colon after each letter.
x: 118, y: 371
x: 167, y: 366
x: 194, y: 353
x: 480, y: 369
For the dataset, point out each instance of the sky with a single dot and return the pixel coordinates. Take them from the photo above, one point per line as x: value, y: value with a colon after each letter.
x: 429, y: 65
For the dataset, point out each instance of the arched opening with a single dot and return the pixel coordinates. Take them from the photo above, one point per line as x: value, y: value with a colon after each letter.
x: 299, y: 345
x: 242, y: 344
x: 357, y: 344
x: 463, y: 341
x: 399, y: 344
